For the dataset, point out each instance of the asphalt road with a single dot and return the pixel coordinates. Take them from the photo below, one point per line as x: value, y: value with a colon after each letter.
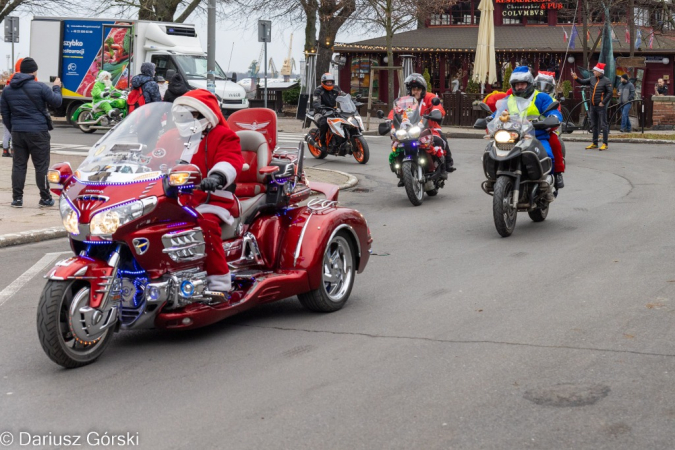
x: 557, y: 337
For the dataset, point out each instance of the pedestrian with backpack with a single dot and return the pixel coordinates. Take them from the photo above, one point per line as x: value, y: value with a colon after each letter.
x: 23, y: 112
x: 144, y: 88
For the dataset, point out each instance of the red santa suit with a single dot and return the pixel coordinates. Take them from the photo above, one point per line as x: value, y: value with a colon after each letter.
x: 218, y: 152
x: 425, y: 109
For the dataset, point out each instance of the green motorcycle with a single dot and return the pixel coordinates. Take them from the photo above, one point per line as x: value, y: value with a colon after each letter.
x: 90, y: 117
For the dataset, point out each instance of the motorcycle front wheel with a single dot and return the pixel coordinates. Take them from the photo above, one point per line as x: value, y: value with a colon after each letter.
x: 86, y: 116
x: 538, y: 215
x: 54, y: 327
x: 338, y: 271
x: 360, y: 149
x: 502, y: 206
x: 413, y: 180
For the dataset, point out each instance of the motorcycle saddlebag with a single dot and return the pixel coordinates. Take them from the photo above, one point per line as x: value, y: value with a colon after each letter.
x: 489, y: 165
x: 536, y: 161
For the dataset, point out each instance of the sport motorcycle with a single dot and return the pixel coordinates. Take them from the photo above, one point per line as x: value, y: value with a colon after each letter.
x: 345, y: 132
x: 519, y: 172
x: 139, y: 255
x: 414, y: 158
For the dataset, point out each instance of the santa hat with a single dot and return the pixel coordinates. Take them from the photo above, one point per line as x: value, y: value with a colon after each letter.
x: 600, y: 67
x: 204, y: 102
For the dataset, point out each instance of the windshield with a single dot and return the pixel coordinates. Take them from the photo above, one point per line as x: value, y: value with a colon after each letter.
x: 195, y: 67
x: 149, y: 142
x: 408, y: 108
x: 512, y: 122
x: 346, y: 104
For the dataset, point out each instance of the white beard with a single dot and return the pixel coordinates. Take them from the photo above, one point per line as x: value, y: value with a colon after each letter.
x: 108, y: 83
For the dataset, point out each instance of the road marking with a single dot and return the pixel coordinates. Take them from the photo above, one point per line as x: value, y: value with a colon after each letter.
x: 24, y: 278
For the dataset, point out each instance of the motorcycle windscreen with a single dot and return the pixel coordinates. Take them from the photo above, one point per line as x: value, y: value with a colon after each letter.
x: 408, y: 108
x: 346, y: 104
x: 149, y: 142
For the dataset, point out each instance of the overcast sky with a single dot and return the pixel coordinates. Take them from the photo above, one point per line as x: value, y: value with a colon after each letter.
x: 246, y: 45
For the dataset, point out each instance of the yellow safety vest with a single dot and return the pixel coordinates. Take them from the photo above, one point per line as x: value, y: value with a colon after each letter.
x: 531, y: 111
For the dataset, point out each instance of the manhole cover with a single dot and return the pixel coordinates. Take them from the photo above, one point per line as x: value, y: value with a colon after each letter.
x: 566, y: 395
x: 360, y: 190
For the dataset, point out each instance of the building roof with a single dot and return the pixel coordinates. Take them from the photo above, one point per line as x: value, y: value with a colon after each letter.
x: 532, y: 38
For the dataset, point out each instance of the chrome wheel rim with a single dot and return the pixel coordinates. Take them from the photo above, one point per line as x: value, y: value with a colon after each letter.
x: 337, y: 269
x: 69, y: 341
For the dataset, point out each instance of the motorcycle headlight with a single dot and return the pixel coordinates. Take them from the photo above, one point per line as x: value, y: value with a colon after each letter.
x: 414, y: 132
x: 69, y: 215
x: 401, y: 134
x: 502, y: 136
x: 108, y: 221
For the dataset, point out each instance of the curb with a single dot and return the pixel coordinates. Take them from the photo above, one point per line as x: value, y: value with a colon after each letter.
x: 29, y: 237
x: 351, y: 182
x: 623, y: 141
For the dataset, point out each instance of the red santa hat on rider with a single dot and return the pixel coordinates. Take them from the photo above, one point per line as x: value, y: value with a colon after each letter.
x: 204, y: 102
x: 600, y: 67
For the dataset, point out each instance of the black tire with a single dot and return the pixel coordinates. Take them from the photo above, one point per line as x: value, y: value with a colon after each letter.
x: 538, y: 215
x: 321, y: 300
x: 86, y: 116
x: 70, y: 110
x: 53, y: 310
x: 502, y: 206
x: 413, y: 188
x: 432, y: 193
x: 363, y: 154
x: 315, y: 151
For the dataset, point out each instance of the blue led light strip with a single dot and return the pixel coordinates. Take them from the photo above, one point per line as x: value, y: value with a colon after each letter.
x: 115, y: 183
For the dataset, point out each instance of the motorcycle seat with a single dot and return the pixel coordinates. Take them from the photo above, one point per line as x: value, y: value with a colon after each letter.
x: 247, y: 206
x: 257, y: 154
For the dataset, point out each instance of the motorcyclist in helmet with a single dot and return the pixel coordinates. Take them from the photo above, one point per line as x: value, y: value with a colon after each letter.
x: 545, y: 82
x: 325, y: 96
x: 528, y: 101
x: 416, y: 86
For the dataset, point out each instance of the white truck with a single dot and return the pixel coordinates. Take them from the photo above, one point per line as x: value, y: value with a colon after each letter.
x: 76, y: 49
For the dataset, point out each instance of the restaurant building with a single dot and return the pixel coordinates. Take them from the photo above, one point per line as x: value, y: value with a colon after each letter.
x: 534, y: 32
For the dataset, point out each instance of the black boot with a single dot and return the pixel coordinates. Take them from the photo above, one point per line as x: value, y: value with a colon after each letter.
x: 444, y: 172
x: 449, y: 164
x: 559, y: 182
x: 400, y: 183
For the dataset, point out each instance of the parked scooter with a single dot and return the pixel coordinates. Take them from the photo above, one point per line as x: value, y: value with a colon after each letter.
x: 519, y: 172
x: 139, y: 254
x: 345, y: 132
x: 89, y: 117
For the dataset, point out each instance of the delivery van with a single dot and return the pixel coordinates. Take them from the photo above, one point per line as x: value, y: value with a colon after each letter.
x: 76, y: 49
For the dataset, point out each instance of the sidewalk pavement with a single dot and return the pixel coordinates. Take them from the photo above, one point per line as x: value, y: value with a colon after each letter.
x: 33, y: 224
x: 292, y: 125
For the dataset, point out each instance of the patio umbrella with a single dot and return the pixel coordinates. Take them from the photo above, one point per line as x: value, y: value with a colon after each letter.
x: 485, y: 66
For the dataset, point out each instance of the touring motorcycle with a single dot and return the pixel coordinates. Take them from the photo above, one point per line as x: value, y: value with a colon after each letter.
x: 89, y: 117
x: 345, y: 132
x: 519, y: 172
x: 413, y: 156
x: 139, y: 254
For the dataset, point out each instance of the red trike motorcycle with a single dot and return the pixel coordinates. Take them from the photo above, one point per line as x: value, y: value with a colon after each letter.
x: 139, y: 253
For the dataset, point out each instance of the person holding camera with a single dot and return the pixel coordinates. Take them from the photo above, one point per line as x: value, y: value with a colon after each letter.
x: 602, y: 94
x: 23, y: 112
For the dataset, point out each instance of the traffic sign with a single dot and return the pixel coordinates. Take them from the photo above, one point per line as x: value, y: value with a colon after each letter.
x: 264, y: 31
x: 12, y: 29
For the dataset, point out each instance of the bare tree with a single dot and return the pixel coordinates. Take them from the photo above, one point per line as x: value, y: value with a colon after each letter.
x: 7, y: 7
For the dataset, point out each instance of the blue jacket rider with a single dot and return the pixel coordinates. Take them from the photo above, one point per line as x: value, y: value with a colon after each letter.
x: 525, y: 99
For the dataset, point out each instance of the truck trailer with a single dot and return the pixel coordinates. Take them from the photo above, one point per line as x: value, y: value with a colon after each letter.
x: 76, y: 49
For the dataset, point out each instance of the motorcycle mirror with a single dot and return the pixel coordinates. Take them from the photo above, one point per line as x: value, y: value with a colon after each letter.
x: 384, y: 128
x: 380, y: 113
x: 169, y: 74
x: 552, y: 106
x: 436, y: 101
x: 480, y: 124
x: 185, y: 174
x: 435, y: 115
x: 485, y: 107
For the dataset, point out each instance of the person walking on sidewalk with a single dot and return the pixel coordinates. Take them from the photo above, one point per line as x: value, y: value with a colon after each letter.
x: 626, y: 93
x: 23, y: 111
x: 602, y: 94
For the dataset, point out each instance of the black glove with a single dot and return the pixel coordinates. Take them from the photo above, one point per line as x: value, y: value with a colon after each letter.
x: 212, y: 182
x: 105, y: 94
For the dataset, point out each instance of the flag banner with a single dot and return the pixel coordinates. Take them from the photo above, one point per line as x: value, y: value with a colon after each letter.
x: 651, y: 38
x: 565, y: 36
x: 638, y: 39
x: 627, y: 36
x: 573, y: 37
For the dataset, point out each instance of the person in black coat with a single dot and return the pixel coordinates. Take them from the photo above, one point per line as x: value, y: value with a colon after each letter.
x: 324, y: 97
x: 177, y: 87
x: 23, y: 112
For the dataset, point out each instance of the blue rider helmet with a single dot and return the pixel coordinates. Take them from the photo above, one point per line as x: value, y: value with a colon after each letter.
x: 521, y: 74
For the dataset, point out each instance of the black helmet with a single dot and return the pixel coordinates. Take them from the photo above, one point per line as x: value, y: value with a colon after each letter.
x: 415, y: 80
x: 521, y: 74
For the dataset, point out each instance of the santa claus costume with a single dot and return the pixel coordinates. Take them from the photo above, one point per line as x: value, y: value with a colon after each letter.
x: 219, y: 156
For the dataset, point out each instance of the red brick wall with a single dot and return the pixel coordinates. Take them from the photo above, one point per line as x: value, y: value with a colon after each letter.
x: 664, y: 110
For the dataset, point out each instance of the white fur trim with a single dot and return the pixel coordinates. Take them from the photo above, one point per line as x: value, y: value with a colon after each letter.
x: 599, y: 69
x: 199, y: 106
x: 225, y: 169
x: 223, y: 194
x: 219, y: 283
x: 222, y: 213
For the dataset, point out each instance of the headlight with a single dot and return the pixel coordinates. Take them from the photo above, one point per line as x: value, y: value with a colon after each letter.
x: 502, y: 136
x: 414, y: 132
x: 401, y: 134
x: 108, y: 221
x: 69, y: 216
